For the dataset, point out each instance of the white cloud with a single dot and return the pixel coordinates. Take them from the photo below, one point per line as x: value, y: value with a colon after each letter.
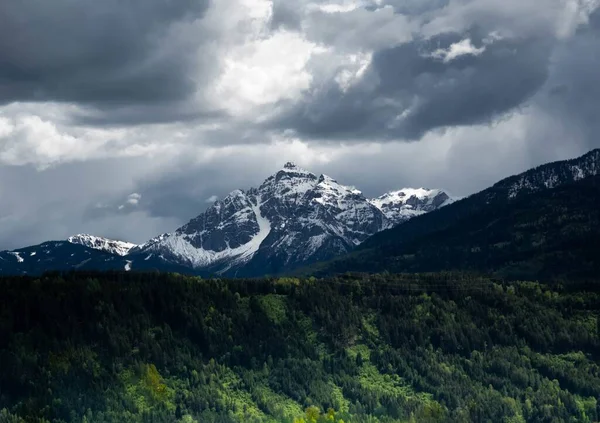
x: 353, y: 70
x: 247, y: 69
x: 28, y: 137
x: 134, y: 199
x: 131, y: 202
x: 265, y: 70
x: 462, y: 48
x: 341, y: 7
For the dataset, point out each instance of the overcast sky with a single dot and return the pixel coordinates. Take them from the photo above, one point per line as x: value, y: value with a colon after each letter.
x: 127, y: 118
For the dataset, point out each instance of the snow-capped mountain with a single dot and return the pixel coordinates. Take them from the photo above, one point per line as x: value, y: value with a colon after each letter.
x: 57, y: 255
x: 112, y: 246
x: 401, y: 205
x: 499, y: 196
x: 293, y: 218
x: 551, y: 175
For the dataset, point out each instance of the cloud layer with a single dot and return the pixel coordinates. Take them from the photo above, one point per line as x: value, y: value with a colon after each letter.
x: 128, y: 118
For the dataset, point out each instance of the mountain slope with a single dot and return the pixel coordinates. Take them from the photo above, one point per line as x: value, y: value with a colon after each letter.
x: 57, y: 255
x: 111, y: 246
x: 537, y: 179
x: 399, y: 206
x: 293, y: 218
x: 544, y: 223
x: 65, y: 256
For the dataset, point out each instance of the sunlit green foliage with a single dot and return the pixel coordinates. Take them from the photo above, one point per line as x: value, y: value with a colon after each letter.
x: 104, y: 348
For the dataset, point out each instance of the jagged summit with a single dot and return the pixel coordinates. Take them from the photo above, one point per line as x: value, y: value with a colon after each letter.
x: 112, y: 246
x: 291, y: 169
x: 293, y: 218
x: 405, y: 203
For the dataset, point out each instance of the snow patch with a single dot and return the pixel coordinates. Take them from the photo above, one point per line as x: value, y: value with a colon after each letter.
x: 16, y: 254
x: 111, y: 246
x: 407, y: 203
x: 82, y: 263
x: 179, y: 245
x: 264, y: 228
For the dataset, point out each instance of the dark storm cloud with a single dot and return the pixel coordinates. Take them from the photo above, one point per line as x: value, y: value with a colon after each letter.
x: 573, y: 90
x: 182, y: 194
x: 413, y: 80
x: 94, y: 52
x: 126, y: 63
x: 139, y: 114
x: 286, y: 14
x: 594, y: 20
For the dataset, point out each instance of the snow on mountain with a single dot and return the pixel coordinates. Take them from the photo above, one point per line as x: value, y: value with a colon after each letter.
x: 551, y: 175
x: 56, y: 255
x: 17, y: 255
x: 232, y: 229
x: 294, y: 217
x: 403, y: 204
x: 120, y: 248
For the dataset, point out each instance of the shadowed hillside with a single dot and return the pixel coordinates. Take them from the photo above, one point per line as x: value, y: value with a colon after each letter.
x: 549, y: 234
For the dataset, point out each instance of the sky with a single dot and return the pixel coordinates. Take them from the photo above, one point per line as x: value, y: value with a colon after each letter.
x: 125, y: 119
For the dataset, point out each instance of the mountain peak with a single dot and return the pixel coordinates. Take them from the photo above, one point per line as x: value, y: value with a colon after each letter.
x: 293, y: 168
x: 419, y: 193
x: 103, y: 244
x: 326, y: 178
x: 409, y: 202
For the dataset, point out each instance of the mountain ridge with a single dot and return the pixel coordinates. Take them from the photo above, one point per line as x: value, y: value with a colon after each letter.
x: 113, y: 246
x: 541, y: 223
x: 293, y: 218
x: 535, y: 179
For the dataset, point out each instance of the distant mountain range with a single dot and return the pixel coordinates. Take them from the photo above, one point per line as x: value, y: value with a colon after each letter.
x: 293, y: 219
x: 543, y: 223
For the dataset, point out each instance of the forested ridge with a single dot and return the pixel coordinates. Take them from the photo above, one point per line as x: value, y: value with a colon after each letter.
x: 149, y: 347
x: 549, y: 234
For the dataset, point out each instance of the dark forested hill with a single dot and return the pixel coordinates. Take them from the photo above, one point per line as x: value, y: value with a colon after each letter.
x: 550, y: 233
x: 133, y: 347
x: 539, y: 179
